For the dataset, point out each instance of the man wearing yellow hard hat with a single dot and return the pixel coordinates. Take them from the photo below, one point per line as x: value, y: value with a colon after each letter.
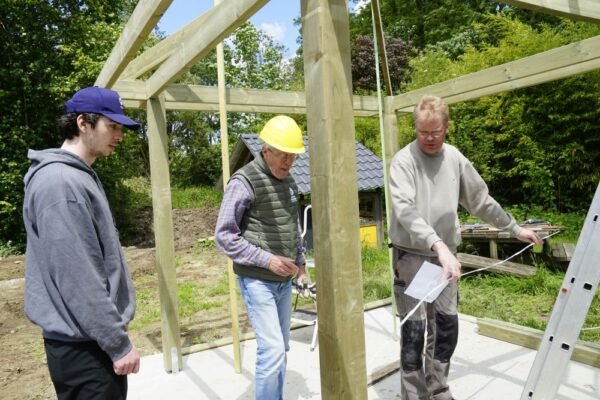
x: 258, y: 229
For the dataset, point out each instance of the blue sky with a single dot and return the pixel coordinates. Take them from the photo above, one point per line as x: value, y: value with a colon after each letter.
x: 276, y: 18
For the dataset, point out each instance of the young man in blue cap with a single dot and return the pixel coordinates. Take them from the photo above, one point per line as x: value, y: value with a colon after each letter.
x: 77, y: 285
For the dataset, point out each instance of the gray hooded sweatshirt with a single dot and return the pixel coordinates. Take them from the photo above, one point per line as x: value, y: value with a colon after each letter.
x: 77, y: 286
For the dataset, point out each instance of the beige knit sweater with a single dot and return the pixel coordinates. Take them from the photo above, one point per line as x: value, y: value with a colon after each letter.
x: 426, y: 191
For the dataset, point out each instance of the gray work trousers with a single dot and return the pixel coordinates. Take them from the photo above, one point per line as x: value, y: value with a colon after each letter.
x: 424, y: 380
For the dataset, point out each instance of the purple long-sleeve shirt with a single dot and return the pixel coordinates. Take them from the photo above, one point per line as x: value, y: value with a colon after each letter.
x: 238, y: 199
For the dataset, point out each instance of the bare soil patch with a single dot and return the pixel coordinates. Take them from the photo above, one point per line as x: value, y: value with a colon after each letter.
x: 24, y: 374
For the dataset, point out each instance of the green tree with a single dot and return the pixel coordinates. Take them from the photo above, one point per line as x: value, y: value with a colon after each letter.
x: 252, y: 60
x: 49, y: 50
x: 363, y: 63
x: 537, y: 145
x: 424, y: 22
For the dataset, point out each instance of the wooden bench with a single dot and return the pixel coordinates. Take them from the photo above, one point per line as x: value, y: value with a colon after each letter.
x: 562, y: 251
x: 484, y: 233
x: 475, y: 262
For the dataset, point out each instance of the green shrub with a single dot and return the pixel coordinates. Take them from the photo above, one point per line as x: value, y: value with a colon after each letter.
x: 9, y: 248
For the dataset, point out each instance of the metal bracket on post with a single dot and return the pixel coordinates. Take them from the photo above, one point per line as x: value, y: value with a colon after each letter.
x: 570, y: 309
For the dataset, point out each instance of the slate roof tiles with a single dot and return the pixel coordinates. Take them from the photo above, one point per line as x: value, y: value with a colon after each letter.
x: 368, y: 166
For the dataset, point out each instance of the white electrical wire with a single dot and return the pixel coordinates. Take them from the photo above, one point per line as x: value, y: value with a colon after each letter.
x: 509, y: 258
x: 411, y: 312
x: 420, y: 302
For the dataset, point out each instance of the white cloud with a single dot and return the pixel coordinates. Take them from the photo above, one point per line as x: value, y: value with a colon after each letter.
x: 359, y: 5
x: 275, y: 30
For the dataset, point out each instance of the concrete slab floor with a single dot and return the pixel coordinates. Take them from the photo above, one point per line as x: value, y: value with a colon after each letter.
x: 482, y: 369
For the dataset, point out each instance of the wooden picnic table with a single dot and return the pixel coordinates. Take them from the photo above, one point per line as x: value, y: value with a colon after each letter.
x: 481, y: 233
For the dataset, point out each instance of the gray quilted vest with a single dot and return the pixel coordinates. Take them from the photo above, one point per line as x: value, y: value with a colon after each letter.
x: 272, y: 221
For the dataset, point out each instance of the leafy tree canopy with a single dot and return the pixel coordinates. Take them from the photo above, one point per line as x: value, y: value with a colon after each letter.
x: 49, y: 49
x: 535, y: 145
x: 252, y: 60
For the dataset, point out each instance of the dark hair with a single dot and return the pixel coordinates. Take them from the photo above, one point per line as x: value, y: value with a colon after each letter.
x: 67, y: 123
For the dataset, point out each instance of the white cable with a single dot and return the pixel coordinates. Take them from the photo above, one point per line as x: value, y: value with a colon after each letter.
x: 511, y: 257
x: 420, y: 302
x: 305, y: 227
x: 468, y: 273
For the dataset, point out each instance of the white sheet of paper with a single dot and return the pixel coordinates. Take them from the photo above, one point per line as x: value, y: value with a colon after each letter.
x: 428, y: 277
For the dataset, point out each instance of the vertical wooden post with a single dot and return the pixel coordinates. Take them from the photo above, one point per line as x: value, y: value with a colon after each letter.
x: 163, y: 230
x: 337, y: 246
x: 389, y: 143
x: 493, y: 248
x: 380, y: 44
x: 235, y: 324
x: 389, y: 139
x: 378, y: 215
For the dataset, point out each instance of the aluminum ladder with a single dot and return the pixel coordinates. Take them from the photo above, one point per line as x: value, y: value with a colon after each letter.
x: 569, y: 312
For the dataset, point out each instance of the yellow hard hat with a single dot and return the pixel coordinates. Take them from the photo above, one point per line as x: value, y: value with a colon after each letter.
x: 284, y: 134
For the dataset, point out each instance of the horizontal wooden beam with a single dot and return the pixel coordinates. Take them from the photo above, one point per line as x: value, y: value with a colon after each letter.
x: 579, y: 57
x: 584, y: 352
x: 221, y: 20
x: 580, y: 10
x: 143, y: 19
x: 206, y: 98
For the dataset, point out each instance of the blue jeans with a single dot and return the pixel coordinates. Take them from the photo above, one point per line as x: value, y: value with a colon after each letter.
x: 269, y: 306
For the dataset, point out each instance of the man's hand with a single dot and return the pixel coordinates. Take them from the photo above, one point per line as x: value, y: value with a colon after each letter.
x: 529, y: 236
x: 282, y: 266
x: 128, y: 364
x: 303, y: 278
x: 449, y: 262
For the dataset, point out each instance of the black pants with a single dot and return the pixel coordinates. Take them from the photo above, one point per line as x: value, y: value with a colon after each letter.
x: 82, y: 370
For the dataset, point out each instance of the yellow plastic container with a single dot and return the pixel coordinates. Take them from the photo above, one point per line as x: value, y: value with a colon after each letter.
x: 368, y: 235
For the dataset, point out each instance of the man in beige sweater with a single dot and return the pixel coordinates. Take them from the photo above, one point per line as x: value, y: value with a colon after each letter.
x: 428, y: 180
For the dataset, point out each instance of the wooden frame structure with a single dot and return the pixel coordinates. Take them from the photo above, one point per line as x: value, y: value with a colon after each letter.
x: 146, y: 81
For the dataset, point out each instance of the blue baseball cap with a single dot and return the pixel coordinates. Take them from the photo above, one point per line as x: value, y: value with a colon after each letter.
x: 101, y: 101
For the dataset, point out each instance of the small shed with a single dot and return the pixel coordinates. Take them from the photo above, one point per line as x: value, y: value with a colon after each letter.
x: 369, y: 171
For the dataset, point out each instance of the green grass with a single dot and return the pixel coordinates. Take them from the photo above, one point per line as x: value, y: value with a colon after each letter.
x: 140, y: 194
x: 523, y: 301
x: 221, y: 288
x: 195, y: 197
x: 376, y: 274
x: 191, y: 297
x: 147, y: 308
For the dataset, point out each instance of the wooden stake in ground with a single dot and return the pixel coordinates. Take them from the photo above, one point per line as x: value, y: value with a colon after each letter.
x: 235, y: 324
